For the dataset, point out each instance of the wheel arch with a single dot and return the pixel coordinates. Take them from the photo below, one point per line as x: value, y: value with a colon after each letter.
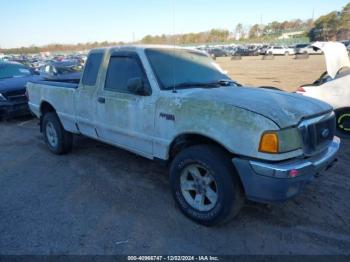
x: 185, y: 140
x: 342, y: 109
x: 45, y: 107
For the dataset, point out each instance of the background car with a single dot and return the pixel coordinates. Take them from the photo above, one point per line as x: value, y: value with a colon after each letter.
x: 263, y: 49
x: 13, y: 79
x: 307, y: 49
x: 333, y: 86
x: 280, y: 50
x: 67, y: 71
x: 244, y: 51
x: 217, y: 52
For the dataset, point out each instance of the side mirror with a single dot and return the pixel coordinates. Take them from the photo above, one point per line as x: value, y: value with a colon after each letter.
x: 137, y: 87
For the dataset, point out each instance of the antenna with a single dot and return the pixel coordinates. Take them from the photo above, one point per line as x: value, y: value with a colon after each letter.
x: 174, y: 45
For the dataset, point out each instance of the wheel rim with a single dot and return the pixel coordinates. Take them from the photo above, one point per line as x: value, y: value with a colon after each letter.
x: 199, y: 188
x: 344, y: 123
x: 51, y: 134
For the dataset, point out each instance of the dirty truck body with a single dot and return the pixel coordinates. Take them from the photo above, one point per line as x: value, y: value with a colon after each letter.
x: 224, y: 143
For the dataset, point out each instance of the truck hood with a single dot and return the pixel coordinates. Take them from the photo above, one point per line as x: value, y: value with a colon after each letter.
x: 17, y: 83
x: 285, y: 109
x: 336, y: 56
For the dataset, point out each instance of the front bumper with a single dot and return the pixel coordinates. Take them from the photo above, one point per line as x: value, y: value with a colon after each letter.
x: 272, y: 182
x: 11, y: 109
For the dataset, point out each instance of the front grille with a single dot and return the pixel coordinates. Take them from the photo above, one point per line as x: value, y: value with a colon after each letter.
x: 16, y: 96
x: 317, y: 134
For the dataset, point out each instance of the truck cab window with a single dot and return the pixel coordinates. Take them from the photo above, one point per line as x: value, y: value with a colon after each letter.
x: 91, y: 70
x: 120, y: 70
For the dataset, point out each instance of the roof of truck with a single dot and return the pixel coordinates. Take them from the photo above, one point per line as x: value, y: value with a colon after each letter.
x: 142, y: 47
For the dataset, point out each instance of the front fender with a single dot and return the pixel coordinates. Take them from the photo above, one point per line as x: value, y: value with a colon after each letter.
x: 238, y: 130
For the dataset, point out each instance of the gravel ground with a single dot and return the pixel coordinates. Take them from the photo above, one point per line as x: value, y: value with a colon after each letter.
x: 103, y: 200
x: 286, y: 73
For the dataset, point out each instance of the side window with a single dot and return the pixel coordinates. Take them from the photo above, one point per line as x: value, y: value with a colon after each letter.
x: 91, y: 70
x: 120, y: 70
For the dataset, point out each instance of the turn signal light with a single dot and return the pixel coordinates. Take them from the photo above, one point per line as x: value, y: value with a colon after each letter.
x: 269, y: 143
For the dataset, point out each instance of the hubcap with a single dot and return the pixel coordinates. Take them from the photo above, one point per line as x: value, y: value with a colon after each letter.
x: 199, y: 188
x: 51, y: 134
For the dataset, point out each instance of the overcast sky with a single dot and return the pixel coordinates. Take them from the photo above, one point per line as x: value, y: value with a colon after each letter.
x: 38, y: 22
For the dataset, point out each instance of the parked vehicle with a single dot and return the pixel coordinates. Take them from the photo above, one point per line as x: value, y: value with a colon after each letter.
x: 263, y: 49
x: 280, y: 50
x: 13, y: 78
x: 66, y: 71
x: 245, y: 52
x: 307, y: 49
x: 224, y: 143
x: 333, y: 86
x: 217, y: 52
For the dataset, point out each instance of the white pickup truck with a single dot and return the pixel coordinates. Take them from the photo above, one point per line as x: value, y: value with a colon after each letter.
x: 224, y: 142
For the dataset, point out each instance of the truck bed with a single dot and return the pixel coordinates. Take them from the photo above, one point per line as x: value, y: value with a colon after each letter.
x: 59, y: 95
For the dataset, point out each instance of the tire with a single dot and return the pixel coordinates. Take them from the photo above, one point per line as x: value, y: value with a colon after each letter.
x: 57, y: 139
x: 343, y: 123
x: 209, y: 163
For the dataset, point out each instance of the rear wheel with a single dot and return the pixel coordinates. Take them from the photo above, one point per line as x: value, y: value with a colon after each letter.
x: 58, y: 140
x: 343, y: 123
x: 205, y: 185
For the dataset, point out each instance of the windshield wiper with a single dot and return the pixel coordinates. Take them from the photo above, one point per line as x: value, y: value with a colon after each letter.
x: 226, y: 82
x: 194, y: 84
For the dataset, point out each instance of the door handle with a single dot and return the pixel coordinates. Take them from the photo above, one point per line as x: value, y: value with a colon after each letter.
x: 101, y: 100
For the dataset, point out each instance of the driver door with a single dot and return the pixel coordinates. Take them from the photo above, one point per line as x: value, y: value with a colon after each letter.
x: 124, y: 118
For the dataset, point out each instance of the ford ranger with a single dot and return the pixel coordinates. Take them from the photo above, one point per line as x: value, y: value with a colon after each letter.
x: 224, y: 143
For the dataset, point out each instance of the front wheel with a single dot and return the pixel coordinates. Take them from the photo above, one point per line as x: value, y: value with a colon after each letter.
x: 205, y: 185
x: 343, y: 123
x: 57, y: 139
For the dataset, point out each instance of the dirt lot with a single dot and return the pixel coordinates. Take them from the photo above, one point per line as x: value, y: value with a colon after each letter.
x: 286, y: 73
x: 103, y: 200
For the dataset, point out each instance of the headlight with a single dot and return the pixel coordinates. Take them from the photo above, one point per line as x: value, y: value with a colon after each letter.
x: 2, y: 98
x: 282, y: 141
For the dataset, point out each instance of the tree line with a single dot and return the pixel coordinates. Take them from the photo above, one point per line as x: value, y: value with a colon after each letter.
x: 58, y: 48
x: 332, y: 26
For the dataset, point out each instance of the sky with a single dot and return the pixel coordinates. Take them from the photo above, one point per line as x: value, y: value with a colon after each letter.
x: 41, y: 22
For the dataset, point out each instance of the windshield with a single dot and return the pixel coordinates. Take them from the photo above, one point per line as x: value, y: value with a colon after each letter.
x: 13, y: 70
x: 184, y: 68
